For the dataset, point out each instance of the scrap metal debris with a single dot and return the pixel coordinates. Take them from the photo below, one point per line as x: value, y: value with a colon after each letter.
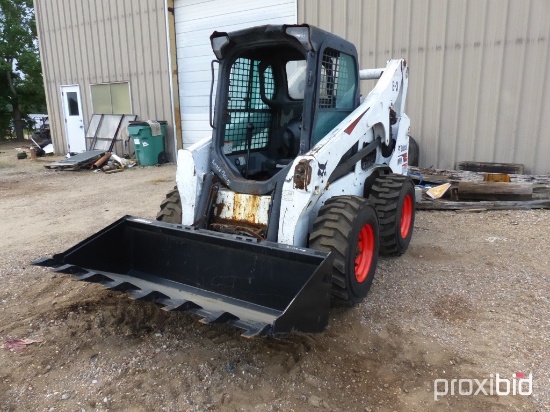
x: 79, y: 161
x: 108, y: 132
x: 37, y: 148
x: 92, y: 159
x: 106, y: 135
x: 117, y: 164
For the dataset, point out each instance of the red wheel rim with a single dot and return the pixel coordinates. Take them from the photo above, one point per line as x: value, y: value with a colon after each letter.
x: 365, y: 253
x: 406, y: 216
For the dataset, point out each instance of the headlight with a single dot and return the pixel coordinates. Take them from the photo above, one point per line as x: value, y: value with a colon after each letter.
x: 301, y: 33
x: 218, y: 42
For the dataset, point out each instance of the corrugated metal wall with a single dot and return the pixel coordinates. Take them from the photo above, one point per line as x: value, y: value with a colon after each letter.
x: 479, y: 71
x: 103, y: 41
x: 195, y: 20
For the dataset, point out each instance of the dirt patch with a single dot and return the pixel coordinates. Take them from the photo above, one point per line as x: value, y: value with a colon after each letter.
x: 453, y: 307
x: 468, y: 300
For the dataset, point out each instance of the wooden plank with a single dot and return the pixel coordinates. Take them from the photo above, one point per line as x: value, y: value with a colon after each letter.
x: 497, y: 177
x: 494, y: 191
x: 483, y: 205
x: 114, y: 171
x: 489, y: 167
x: 442, y: 176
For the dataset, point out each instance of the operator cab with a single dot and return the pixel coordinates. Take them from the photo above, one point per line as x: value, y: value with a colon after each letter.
x: 262, y: 117
x: 267, y: 76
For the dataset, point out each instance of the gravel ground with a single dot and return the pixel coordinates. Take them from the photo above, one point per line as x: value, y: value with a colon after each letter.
x: 470, y: 299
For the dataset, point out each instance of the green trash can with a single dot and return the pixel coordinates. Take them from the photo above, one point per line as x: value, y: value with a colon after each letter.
x: 147, y: 146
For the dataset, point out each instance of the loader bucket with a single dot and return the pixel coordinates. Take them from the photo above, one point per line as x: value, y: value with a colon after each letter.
x: 262, y: 287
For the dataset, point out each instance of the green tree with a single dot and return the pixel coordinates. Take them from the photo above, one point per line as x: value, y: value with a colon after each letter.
x: 21, y: 83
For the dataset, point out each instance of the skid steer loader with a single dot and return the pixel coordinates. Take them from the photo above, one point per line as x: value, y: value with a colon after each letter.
x: 289, y: 202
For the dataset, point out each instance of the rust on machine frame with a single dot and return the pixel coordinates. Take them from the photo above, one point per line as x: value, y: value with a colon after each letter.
x: 242, y: 214
x: 239, y: 228
x: 302, y: 174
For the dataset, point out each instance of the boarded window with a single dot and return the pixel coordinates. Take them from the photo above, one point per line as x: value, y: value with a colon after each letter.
x: 111, y: 98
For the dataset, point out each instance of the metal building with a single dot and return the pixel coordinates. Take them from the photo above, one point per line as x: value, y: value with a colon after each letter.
x: 479, y: 87
x: 103, y: 56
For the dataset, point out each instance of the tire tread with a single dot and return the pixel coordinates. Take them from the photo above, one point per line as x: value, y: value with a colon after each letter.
x: 331, y: 232
x: 384, y: 196
x: 170, y: 208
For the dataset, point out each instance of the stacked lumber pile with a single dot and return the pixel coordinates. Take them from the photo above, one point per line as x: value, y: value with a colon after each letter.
x: 482, y: 190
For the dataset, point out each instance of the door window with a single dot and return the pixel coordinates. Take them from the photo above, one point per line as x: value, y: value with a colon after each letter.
x: 337, y: 90
x: 72, y: 104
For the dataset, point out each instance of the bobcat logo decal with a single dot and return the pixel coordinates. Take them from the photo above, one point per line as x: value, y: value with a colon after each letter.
x: 322, y: 169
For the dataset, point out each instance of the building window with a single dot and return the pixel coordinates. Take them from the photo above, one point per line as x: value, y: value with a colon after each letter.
x: 111, y: 98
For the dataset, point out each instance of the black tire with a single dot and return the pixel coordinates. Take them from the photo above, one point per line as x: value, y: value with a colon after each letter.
x: 414, y: 152
x: 170, y: 208
x: 388, y: 150
x: 393, y: 198
x: 337, y: 229
x: 162, y: 158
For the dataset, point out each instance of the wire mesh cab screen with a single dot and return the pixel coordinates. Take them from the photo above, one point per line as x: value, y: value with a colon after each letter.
x: 337, y: 90
x: 247, y: 80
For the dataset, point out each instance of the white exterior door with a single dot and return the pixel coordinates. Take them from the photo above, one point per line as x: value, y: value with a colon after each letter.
x: 195, y: 22
x: 74, y: 121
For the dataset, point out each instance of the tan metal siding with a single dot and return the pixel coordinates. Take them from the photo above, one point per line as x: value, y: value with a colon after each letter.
x: 479, y: 87
x: 104, y: 41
